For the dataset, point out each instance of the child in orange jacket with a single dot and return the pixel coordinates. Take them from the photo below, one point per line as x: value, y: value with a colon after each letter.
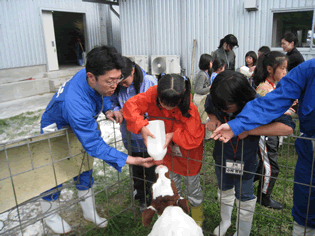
x: 171, y: 101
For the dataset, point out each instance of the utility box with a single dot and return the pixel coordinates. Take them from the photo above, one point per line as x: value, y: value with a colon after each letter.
x: 168, y: 64
x: 251, y: 5
x: 141, y: 60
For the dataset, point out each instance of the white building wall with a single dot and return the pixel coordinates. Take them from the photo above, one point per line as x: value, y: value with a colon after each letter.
x: 21, y: 30
x: 112, y: 25
x: 167, y: 27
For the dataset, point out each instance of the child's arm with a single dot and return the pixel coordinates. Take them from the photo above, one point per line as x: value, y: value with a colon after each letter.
x: 136, y: 106
x: 280, y: 126
x: 115, y: 102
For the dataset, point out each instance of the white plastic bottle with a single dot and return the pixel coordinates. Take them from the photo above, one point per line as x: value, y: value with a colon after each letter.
x: 155, y: 146
x: 245, y: 71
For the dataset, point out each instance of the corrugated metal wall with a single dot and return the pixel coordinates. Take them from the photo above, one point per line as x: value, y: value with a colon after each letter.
x: 21, y: 31
x: 112, y: 25
x: 166, y: 27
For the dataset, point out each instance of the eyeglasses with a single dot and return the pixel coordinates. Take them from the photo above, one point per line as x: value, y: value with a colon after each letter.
x: 115, y: 81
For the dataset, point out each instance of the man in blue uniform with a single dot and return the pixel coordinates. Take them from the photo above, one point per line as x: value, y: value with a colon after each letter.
x: 299, y: 83
x: 77, y: 105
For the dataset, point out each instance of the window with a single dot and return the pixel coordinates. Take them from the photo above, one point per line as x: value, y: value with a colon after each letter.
x: 298, y: 22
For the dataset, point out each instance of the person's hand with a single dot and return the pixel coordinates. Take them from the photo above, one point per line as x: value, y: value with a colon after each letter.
x: 145, y: 162
x: 140, y: 161
x: 168, y: 139
x: 290, y: 112
x: 291, y: 109
x: 213, y: 123
x: 243, y: 135
x: 114, y: 116
x: 224, y: 133
x: 145, y: 133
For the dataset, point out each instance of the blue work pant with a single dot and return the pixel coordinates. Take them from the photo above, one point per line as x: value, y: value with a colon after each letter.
x: 84, y: 181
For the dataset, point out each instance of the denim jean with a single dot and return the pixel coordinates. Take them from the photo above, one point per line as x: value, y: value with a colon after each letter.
x: 243, y: 189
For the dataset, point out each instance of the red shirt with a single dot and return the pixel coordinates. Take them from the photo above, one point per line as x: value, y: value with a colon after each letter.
x: 188, y: 132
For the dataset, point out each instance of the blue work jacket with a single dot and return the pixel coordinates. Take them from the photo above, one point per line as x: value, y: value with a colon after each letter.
x: 77, y: 105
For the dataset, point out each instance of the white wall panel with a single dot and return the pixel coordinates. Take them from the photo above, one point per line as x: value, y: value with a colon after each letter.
x: 21, y: 31
x: 170, y: 26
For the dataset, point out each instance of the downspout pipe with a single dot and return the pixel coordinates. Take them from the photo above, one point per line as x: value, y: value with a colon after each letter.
x: 114, y: 11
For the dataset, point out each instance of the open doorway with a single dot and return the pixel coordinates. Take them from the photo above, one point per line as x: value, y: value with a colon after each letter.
x: 70, y: 37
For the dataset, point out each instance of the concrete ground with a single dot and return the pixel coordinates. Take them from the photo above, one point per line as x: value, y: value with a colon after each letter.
x: 19, y: 106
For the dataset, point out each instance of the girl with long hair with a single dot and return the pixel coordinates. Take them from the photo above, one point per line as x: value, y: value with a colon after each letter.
x: 236, y: 161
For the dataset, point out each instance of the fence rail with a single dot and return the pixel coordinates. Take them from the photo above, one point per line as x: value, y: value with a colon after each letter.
x: 33, y: 165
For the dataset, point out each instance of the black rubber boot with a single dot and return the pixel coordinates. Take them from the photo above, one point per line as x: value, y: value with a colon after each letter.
x: 266, y: 201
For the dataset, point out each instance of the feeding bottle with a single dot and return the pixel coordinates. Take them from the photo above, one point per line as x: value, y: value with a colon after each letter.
x: 155, y: 145
x: 245, y: 71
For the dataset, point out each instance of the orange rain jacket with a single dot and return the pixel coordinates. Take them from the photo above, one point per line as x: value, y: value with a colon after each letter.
x: 188, y: 132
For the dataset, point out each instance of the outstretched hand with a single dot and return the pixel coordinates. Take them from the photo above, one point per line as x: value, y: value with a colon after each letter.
x: 140, y: 161
x: 145, y: 162
x: 145, y: 132
x: 224, y: 133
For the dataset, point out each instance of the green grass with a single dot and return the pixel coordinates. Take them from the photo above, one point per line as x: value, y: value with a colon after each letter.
x: 266, y: 221
x: 124, y: 219
x: 114, y: 201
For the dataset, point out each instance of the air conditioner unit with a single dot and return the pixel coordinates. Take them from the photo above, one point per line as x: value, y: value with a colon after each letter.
x: 141, y: 60
x: 165, y: 64
x: 251, y: 5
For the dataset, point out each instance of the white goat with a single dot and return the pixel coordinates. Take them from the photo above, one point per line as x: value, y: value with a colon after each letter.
x: 170, y: 207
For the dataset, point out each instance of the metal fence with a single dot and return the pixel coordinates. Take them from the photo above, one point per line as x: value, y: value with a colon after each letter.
x: 34, y: 165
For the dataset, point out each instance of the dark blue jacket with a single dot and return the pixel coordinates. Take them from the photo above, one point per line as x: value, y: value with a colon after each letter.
x: 299, y: 83
x: 246, y: 148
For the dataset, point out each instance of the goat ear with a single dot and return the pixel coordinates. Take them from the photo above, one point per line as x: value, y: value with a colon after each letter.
x: 183, y: 203
x: 147, y: 216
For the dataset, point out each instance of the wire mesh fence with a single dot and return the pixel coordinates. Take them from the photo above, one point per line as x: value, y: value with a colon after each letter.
x: 31, y: 166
